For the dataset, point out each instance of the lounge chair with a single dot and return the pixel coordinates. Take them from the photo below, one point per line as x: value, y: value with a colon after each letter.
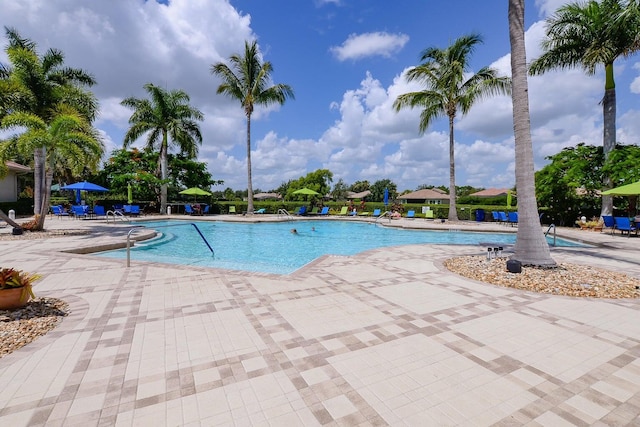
x: 98, y: 211
x: 429, y: 214
x: 624, y: 224
x: 134, y: 210
x: 302, y: 210
x: 79, y: 211
x: 59, y: 211
x: 609, y: 222
x: 324, y: 211
x: 232, y: 209
x: 344, y: 210
x: 314, y: 211
x: 376, y: 212
x: 188, y: 210
x: 496, y: 216
x: 411, y: 214
x: 513, y: 218
x: 353, y: 213
x: 502, y: 217
x: 260, y: 211
x: 206, y: 209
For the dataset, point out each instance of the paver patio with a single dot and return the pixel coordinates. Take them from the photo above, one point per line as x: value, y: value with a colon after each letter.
x: 387, y: 337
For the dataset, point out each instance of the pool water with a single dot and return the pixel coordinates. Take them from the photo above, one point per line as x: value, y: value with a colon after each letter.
x: 272, y: 248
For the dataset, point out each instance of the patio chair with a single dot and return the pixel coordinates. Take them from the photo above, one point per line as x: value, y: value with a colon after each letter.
x: 260, y: 211
x: 302, y: 210
x: 495, y: 215
x: 324, y: 211
x: 344, y: 210
x: 314, y: 211
x: 206, y: 209
x: 353, y: 212
x: 376, y: 212
x: 609, y: 222
x: 134, y: 210
x: 79, y: 211
x: 59, y: 211
x: 513, y: 218
x: 502, y: 217
x: 98, y: 211
x: 411, y: 214
x: 623, y: 224
x: 232, y: 209
x: 188, y: 210
x: 429, y: 215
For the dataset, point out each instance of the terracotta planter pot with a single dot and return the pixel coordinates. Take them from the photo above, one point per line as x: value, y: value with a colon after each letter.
x: 10, y: 298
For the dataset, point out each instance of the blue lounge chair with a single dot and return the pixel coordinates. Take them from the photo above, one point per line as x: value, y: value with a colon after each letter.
x: 260, y: 211
x: 496, y: 216
x: 624, y: 224
x: 376, y: 212
x: 98, y: 211
x: 513, y: 218
x: 59, y: 211
x: 79, y: 211
x: 324, y: 211
x: 206, y: 209
x: 134, y: 210
x: 188, y: 210
x: 502, y: 217
x: 353, y: 213
x: 302, y: 210
x: 411, y: 214
x: 609, y: 222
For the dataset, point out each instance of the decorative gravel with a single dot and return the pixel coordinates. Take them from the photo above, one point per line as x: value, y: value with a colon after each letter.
x: 567, y: 279
x: 21, y: 326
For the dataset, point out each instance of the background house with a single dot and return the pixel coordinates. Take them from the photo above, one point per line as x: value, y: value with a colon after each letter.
x: 429, y: 196
x: 9, y: 184
x: 490, y: 192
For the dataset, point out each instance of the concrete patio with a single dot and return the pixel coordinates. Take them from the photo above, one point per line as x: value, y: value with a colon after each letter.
x: 387, y: 337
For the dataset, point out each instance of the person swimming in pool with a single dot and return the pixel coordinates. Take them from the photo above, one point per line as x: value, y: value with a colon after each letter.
x: 294, y: 231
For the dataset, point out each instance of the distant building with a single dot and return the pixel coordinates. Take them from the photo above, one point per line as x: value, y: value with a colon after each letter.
x: 433, y: 196
x: 351, y: 195
x: 267, y: 196
x: 491, y: 192
x: 9, y: 184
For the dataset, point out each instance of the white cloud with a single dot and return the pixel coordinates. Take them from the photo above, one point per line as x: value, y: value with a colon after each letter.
x: 358, y: 46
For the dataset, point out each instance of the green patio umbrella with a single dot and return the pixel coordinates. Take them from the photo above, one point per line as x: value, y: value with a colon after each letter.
x: 624, y: 190
x: 195, y: 191
x: 306, y: 191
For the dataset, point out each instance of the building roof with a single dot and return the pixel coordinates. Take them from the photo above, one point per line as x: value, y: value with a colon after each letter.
x: 17, y: 167
x: 426, y: 194
x: 266, y: 196
x: 361, y: 195
x: 491, y: 192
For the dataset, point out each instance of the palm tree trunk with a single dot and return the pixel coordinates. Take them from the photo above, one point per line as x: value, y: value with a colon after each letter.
x: 46, y: 196
x: 531, y: 246
x: 453, y: 210
x: 38, y: 178
x: 163, y: 173
x: 249, y: 184
x: 609, y: 133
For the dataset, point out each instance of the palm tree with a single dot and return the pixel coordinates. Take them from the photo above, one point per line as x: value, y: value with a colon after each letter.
x: 248, y: 81
x: 447, y: 90
x: 67, y: 135
x: 166, y: 116
x: 531, y: 246
x: 589, y: 35
x: 38, y: 85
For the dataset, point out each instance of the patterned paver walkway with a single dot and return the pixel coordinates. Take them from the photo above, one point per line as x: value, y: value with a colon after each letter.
x: 388, y: 337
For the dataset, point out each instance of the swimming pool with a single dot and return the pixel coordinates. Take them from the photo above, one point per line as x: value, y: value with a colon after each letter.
x: 271, y: 247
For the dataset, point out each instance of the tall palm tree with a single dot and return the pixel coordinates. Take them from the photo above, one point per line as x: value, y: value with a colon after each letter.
x: 531, y: 246
x: 67, y: 135
x: 39, y: 85
x: 248, y: 81
x: 588, y: 35
x: 165, y: 117
x: 448, y: 90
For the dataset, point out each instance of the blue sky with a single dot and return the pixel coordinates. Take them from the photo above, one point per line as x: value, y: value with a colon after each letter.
x: 345, y: 60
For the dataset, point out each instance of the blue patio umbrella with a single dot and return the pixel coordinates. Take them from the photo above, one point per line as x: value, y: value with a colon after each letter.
x: 386, y: 197
x: 83, y: 186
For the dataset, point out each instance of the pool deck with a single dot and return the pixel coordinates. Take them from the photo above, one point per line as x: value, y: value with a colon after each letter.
x: 386, y: 337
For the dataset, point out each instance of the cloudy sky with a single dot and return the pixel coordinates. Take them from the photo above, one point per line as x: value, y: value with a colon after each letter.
x: 345, y: 60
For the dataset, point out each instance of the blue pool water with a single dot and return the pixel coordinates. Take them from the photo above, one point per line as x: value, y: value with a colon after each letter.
x: 272, y: 248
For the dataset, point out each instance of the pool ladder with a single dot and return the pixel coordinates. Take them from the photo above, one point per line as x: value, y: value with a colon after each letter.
x: 117, y: 215
x: 387, y: 214
x: 285, y: 213
x: 554, y: 233
x: 162, y: 226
